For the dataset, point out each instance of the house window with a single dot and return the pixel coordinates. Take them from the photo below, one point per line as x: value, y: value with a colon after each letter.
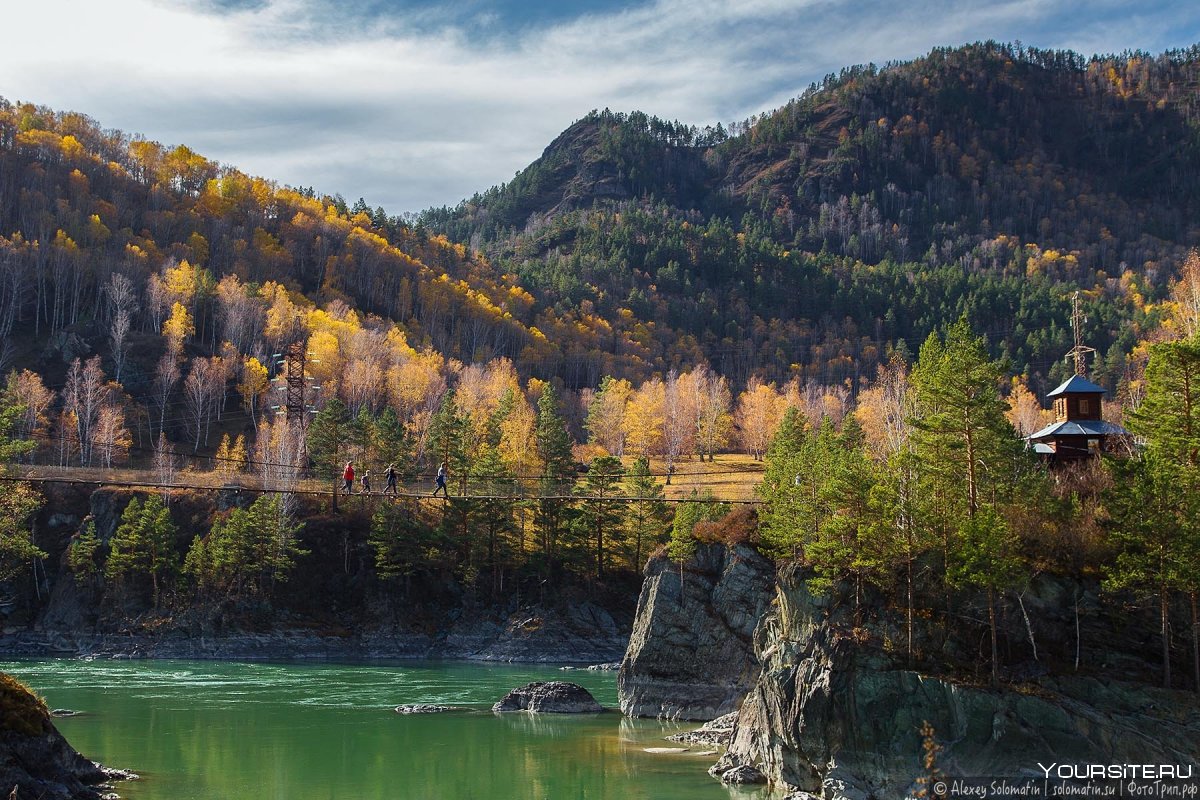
x: 1083, y: 406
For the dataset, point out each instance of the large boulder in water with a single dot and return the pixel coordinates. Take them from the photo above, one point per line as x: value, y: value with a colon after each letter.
x: 550, y: 697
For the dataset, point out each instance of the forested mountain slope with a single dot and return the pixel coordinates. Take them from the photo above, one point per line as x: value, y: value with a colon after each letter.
x: 990, y: 179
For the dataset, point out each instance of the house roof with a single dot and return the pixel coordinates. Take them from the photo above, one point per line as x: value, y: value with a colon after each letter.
x: 1077, y: 384
x: 1078, y: 427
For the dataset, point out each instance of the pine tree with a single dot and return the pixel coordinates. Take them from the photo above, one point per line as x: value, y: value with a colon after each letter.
x: 448, y: 433
x: 961, y: 435
x: 143, y: 545
x: 602, y: 518
x: 390, y: 443
x: 970, y: 459
x: 83, y: 553
x: 327, y: 440
x: 402, y: 543
x: 648, y: 516
x: 490, y: 479
x: 698, y: 507
x: 553, y: 515
x: 1165, y: 552
x: 781, y: 485
x: 838, y: 547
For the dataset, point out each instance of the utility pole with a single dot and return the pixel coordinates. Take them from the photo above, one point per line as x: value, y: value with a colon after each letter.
x: 1080, y: 351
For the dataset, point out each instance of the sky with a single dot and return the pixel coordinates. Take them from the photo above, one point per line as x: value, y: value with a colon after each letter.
x: 414, y: 103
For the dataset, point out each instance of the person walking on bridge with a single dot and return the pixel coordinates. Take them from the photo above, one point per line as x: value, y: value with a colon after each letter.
x: 348, y: 478
x: 366, y: 481
x: 443, y: 470
x: 391, y: 479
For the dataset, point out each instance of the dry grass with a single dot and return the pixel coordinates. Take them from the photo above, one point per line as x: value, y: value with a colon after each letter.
x: 732, y: 476
x: 20, y: 709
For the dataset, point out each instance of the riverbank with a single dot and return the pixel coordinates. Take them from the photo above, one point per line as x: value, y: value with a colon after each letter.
x: 580, y: 633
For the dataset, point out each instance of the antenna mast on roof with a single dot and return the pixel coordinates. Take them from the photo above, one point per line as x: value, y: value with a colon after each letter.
x: 1080, y: 351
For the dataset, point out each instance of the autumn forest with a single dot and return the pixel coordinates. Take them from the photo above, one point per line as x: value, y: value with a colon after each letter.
x: 794, y: 297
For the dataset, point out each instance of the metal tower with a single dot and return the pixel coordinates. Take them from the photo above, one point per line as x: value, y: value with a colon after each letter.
x: 1080, y: 351
x: 293, y: 366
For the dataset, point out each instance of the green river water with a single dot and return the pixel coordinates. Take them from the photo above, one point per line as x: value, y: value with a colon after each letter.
x: 301, y: 731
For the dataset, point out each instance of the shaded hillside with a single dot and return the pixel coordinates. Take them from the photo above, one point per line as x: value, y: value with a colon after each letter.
x: 990, y: 179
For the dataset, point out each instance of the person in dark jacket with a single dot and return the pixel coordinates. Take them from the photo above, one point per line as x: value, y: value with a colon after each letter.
x: 391, y: 479
x: 443, y: 471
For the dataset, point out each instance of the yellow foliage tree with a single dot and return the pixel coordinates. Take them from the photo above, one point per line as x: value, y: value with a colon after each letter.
x: 759, y: 411
x: 1185, y: 293
x: 253, y: 386
x: 518, y: 442
x: 1024, y: 411
x: 230, y: 458
x: 645, y: 417
x: 178, y: 328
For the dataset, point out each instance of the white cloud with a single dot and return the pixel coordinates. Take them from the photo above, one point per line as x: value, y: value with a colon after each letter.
x: 408, y: 113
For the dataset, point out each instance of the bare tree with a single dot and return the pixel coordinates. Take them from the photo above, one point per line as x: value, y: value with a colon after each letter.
x: 158, y: 300
x: 122, y: 302
x: 118, y: 337
x: 166, y: 375
x: 279, y: 458
x: 242, y: 316
x: 165, y: 461
x: 714, y: 423
x: 110, y: 437
x: 84, y: 395
x: 202, y: 390
x: 14, y: 270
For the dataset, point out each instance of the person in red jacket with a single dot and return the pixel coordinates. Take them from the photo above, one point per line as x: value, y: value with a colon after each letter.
x: 348, y: 478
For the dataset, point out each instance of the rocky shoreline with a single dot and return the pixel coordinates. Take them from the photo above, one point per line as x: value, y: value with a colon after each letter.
x: 794, y: 686
x: 822, y: 712
x: 35, y: 759
x: 285, y: 644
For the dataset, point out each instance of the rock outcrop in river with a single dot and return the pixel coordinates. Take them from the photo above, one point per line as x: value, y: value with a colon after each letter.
x: 35, y: 760
x: 691, y: 652
x: 842, y: 721
x: 550, y: 697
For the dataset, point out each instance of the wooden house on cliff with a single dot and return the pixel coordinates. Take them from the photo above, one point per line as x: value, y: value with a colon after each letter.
x: 1079, y: 430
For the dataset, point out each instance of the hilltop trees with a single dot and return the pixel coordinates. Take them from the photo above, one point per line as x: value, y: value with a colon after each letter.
x: 937, y: 465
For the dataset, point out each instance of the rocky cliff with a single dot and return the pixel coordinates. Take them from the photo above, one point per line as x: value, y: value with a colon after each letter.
x: 840, y: 720
x: 35, y: 760
x: 691, y: 652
